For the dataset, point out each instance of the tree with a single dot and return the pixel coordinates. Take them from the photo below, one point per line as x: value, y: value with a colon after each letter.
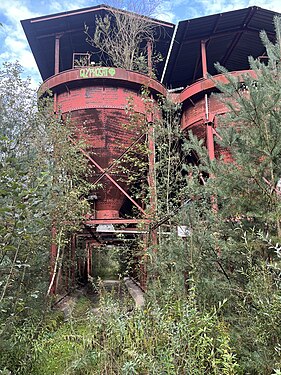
x: 121, y: 36
x: 236, y: 247
x: 42, y: 184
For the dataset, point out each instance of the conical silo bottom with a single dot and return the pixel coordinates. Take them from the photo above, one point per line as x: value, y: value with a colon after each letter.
x: 110, y: 198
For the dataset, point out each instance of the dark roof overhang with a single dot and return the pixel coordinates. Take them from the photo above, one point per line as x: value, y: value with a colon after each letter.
x: 230, y: 38
x: 42, y: 31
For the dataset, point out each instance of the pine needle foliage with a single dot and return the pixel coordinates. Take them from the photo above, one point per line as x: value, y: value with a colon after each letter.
x: 235, y: 215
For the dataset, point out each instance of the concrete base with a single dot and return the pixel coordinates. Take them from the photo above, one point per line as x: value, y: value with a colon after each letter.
x: 135, y: 291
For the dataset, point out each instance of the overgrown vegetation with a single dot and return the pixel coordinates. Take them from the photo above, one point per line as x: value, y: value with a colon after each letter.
x: 41, y: 186
x: 234, y: 218
x: 170, y: 339
x: 214, y: 300
x: 120, y: 38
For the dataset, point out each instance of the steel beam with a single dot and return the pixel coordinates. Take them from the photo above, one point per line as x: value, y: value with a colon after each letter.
x: 210, y: 141
x: 238, y: 36
x: 71, y: 76
x: 119, y: 158
x: 149, y: 57
x: 151, y: 174
x: 57, y: 53
x: 204, y: 59
x: 109, y: 177
x: 116, y: 221
x: 53, y: 256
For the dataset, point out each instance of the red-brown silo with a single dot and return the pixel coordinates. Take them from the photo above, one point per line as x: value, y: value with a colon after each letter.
x: 97, y: 101
x: 202, y: 107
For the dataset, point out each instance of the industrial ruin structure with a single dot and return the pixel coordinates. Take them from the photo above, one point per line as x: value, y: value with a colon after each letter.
x: 97, y: 99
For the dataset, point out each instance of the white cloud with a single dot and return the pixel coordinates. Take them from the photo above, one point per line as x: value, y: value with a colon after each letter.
x: 14, y: 46
x: 164, y: 13
x: 206, y: 7
x: 14, y: 43
x: 274, y: 5
x: 16, y: 10
x: 63, y: 6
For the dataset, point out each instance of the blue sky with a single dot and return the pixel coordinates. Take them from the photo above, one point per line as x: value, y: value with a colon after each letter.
x: 13, y: 44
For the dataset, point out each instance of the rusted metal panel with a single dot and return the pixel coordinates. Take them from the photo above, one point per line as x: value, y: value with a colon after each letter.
x: 198, y: 113
x: 102, y: 74
x: 99, y: 96
x: 208, y: 84
x: 96, y: 99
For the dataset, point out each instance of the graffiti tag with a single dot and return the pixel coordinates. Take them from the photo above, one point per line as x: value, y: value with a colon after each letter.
x: 97, y: 72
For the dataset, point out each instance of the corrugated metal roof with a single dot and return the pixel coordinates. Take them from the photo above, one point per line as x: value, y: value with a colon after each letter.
x: 41, y: 31
x: 230, y: 38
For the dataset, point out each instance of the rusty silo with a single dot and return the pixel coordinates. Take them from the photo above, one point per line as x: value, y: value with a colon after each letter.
x: 228, y: 38
x: 96, y: 98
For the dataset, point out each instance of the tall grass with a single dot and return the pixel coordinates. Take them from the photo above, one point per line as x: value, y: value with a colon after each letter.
x: 174, y: 338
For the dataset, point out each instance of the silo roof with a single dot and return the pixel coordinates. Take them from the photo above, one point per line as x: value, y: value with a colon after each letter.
x: 41, y: 33
x: 230, y: 38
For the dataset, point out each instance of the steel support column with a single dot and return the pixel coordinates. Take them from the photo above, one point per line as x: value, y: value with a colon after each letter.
x: 204, y: 59
x: 57, y: 53
x: 149, y: 57
x: 73, y: 253
x: 88, y: 259
x: 143, y: 264
x: 210, y: 141
x: 53, y: 257
x: 151, y: 174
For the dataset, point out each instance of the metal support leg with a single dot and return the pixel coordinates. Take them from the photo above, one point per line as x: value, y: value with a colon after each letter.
x: 143, y: 264
x: 53, y: 256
